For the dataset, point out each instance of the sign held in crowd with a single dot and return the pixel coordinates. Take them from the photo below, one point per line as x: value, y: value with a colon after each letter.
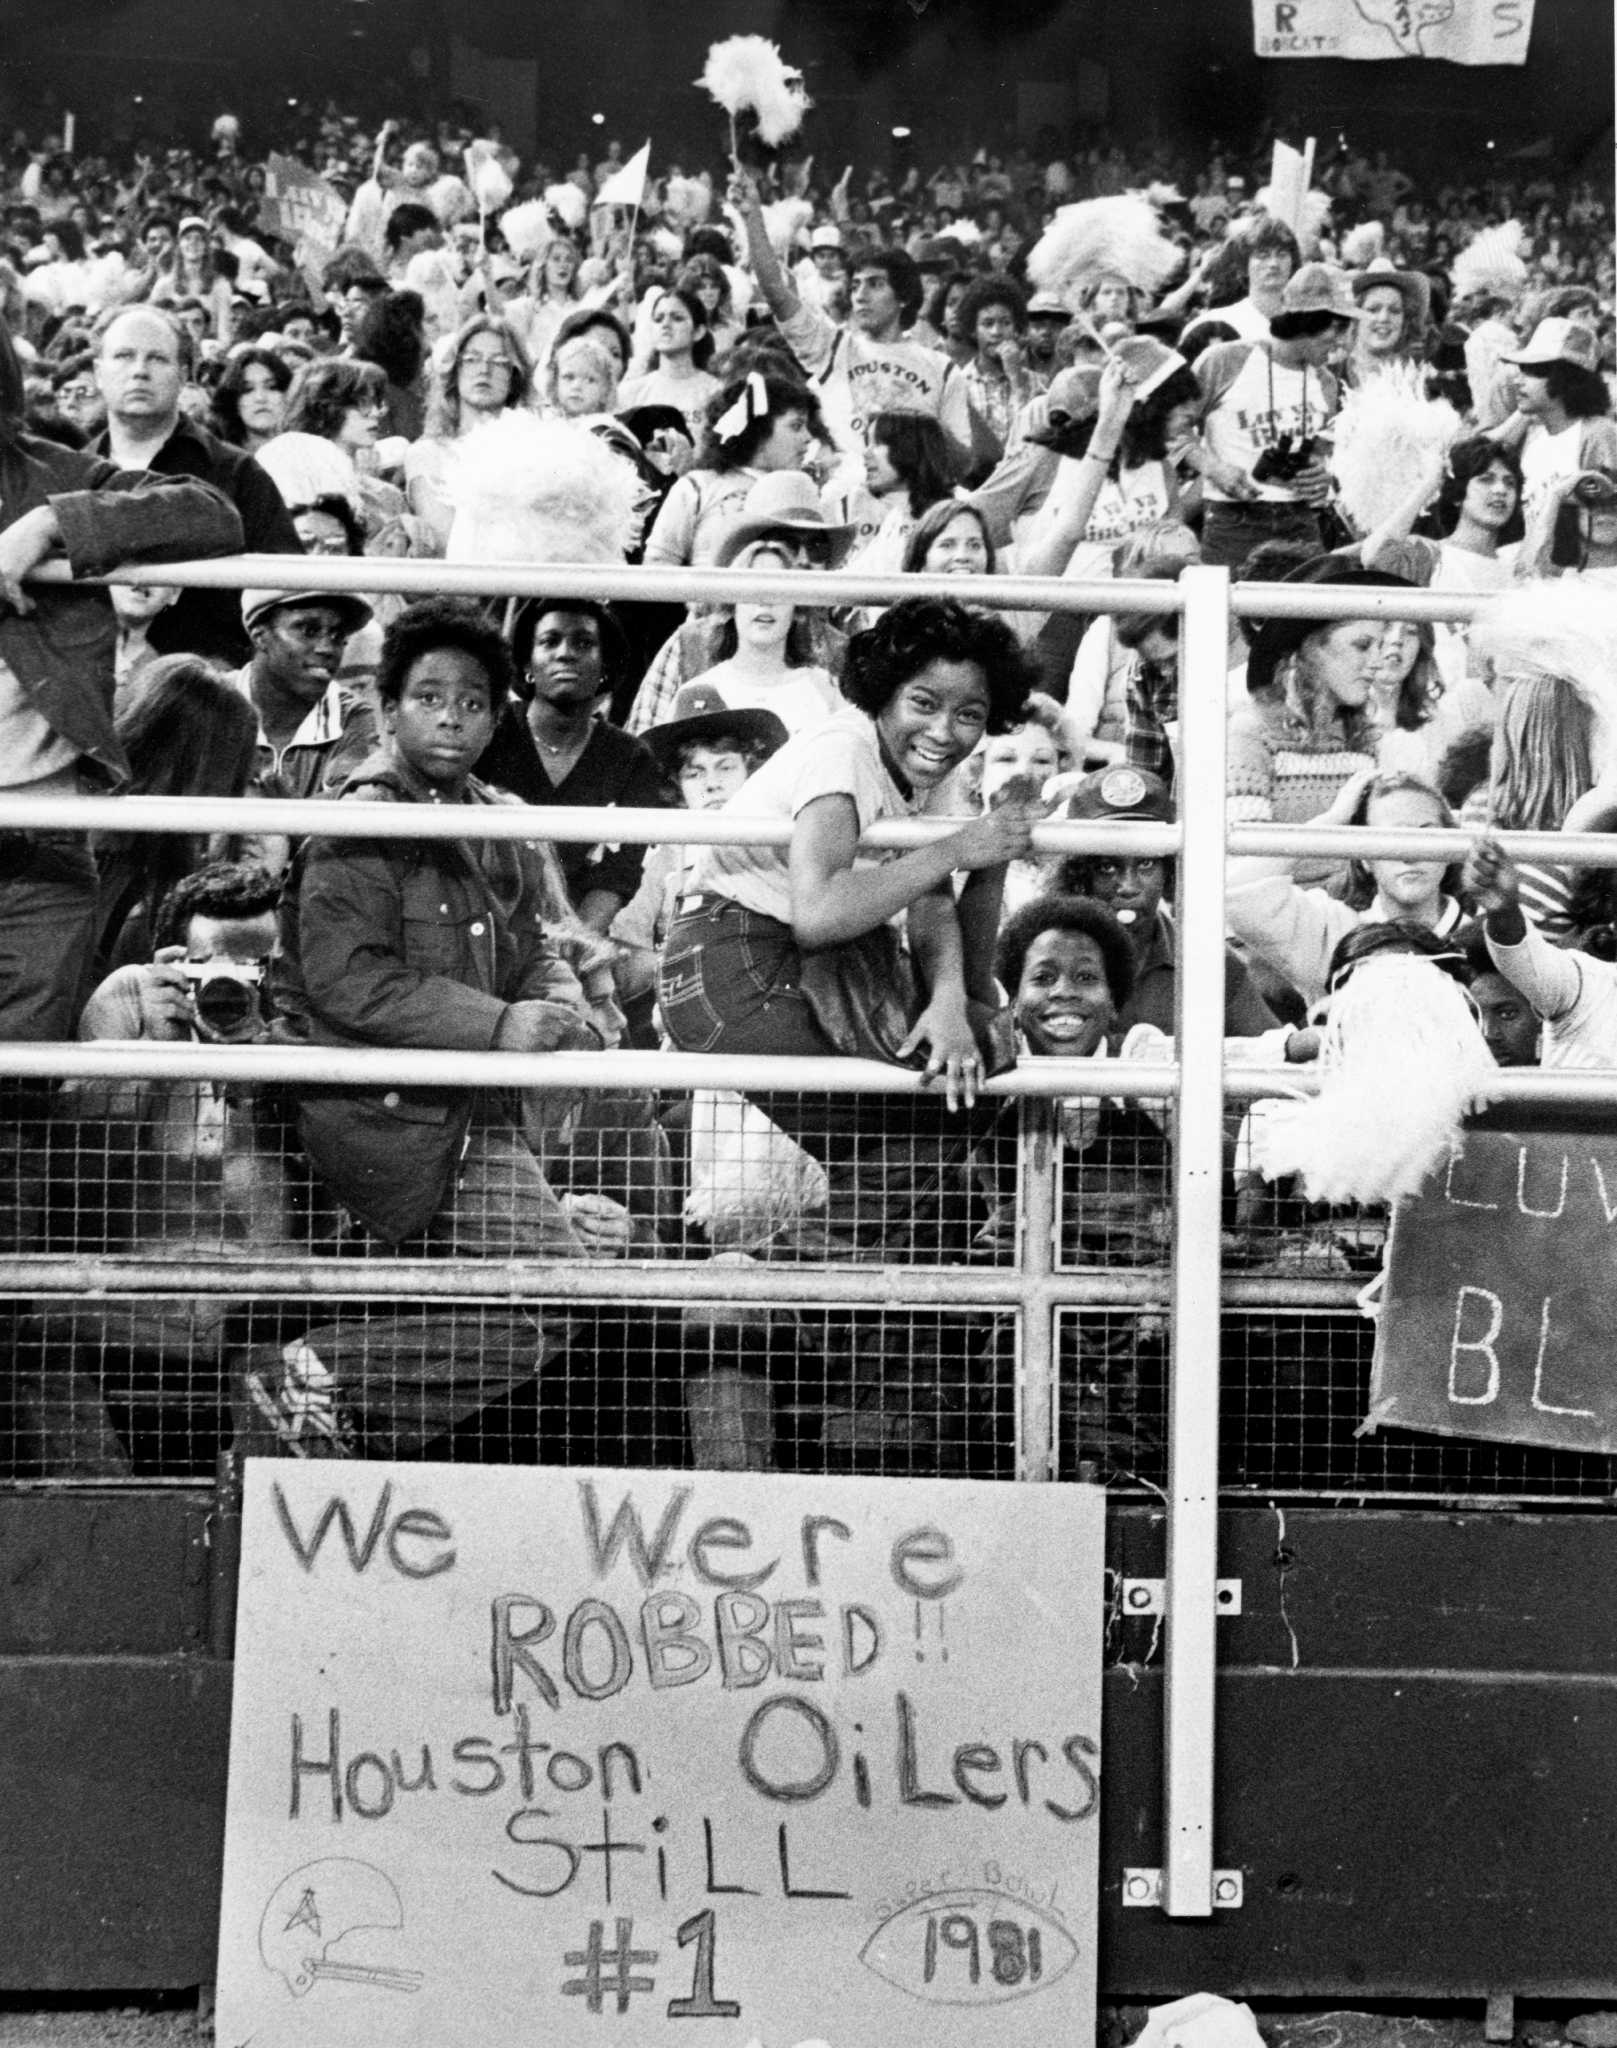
x: 600, y: 1753
x: 1496, y: 1320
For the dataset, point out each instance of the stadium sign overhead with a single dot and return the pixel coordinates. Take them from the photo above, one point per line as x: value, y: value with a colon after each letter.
x: 1458, y: 31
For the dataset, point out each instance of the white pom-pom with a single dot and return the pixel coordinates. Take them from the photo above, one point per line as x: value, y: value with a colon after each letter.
x: 1493, y: 262
x: 1388, y: 435
x: 1363, y: 244
x: 687, y: 202
x: 568, y: 204
x: 527, y: 230
x: 1556, y: 626
x: 1401, y: 1062
x: 966, y: 232
x: 784, y: 221
x: 1103, y: 238
x: 531, y: 490
x: 487, y: 176
x: 748, y: 75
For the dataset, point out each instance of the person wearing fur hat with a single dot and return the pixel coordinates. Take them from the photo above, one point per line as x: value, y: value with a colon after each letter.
x: 1265, y: 408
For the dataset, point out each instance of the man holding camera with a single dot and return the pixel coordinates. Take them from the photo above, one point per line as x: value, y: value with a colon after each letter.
x: 160, y: 1167
x: 215, y: 932
x: 1265, y: 407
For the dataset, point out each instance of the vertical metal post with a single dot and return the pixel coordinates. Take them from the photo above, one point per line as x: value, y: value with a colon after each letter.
x: 1036, y: 1206
x: 1193, y: 1398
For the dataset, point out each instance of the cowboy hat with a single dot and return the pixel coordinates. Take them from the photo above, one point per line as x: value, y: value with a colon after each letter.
x: 1412, y: 286
x: 785, y: 501
x: 700, y: 713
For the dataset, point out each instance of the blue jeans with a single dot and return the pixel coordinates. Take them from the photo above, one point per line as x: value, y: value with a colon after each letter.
x: 47, y: 932
x: 897, y: 1164
x: 1230, y: 532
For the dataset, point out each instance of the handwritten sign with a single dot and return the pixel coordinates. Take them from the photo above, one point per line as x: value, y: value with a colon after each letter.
x: 606, y: 1758
x: 299, y: 205
x: 1501, y: 1295
x: 1461, y: 31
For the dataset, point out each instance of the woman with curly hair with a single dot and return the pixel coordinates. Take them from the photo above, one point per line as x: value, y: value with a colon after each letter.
x: 924, y: 685
x: 249, y: 401
x: 755, y: 424
x: 791, y: 949
x: 480, y: 372
x: 993, y: 314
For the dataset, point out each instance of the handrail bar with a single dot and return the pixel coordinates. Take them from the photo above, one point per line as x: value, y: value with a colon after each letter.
x: 236, y: 815
x: 377, y: 1066
x: 381, y: 1067
x: 365, y: 574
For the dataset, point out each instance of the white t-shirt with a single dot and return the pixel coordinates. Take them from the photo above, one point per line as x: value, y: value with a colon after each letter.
x: 840, y: 758
x: 1124, y: 504
x: 1252, y: 402
x: 858, y: 378
x: 1546, y: 456
x: 802, y: 697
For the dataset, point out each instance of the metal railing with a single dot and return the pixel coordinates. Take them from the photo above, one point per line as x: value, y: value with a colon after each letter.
x: 1035, y: 1289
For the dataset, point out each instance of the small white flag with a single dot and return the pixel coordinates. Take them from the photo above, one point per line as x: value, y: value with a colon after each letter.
x: 627, y: 186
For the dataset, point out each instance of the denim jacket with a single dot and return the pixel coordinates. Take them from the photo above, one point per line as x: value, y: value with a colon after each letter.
x: 62, y: 652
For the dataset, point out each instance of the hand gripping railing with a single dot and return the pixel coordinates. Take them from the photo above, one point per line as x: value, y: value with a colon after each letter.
x: 1204, y: 601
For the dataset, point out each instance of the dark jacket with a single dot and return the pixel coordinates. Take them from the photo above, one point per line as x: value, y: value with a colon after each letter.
x: 209, y: 621
x: 614, y: 768
x: 62, y: 652
x: 398, y: 942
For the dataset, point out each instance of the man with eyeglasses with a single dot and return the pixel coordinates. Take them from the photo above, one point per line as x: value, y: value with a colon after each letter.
x: 140, y: 369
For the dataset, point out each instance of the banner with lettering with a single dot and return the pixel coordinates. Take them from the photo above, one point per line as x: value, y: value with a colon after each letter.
x: 1497, y: 1316
x: 618, y: 1758
x: 298, y: 204
x: 1459, y: 31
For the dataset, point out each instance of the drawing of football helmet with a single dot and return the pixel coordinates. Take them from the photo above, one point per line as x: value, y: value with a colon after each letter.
x: 318, y: 1906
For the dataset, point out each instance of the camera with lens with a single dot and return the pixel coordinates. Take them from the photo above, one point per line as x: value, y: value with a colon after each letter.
x: 226, y: 999
x: 1285, y: 461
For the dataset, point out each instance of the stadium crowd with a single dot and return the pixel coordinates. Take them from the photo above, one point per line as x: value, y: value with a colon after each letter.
x: 1065, y: 365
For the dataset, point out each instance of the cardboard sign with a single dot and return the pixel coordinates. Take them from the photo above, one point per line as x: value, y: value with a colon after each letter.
x: 1501, y: 1296
x: 1460, y: 31
x: 616, y: 1757
x: 299, y: 205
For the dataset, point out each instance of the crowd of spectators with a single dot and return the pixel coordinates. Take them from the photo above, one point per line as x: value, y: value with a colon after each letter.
x: 758, y: 371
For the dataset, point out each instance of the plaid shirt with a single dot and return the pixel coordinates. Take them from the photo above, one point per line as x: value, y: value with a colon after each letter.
x: 1151, y: 694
